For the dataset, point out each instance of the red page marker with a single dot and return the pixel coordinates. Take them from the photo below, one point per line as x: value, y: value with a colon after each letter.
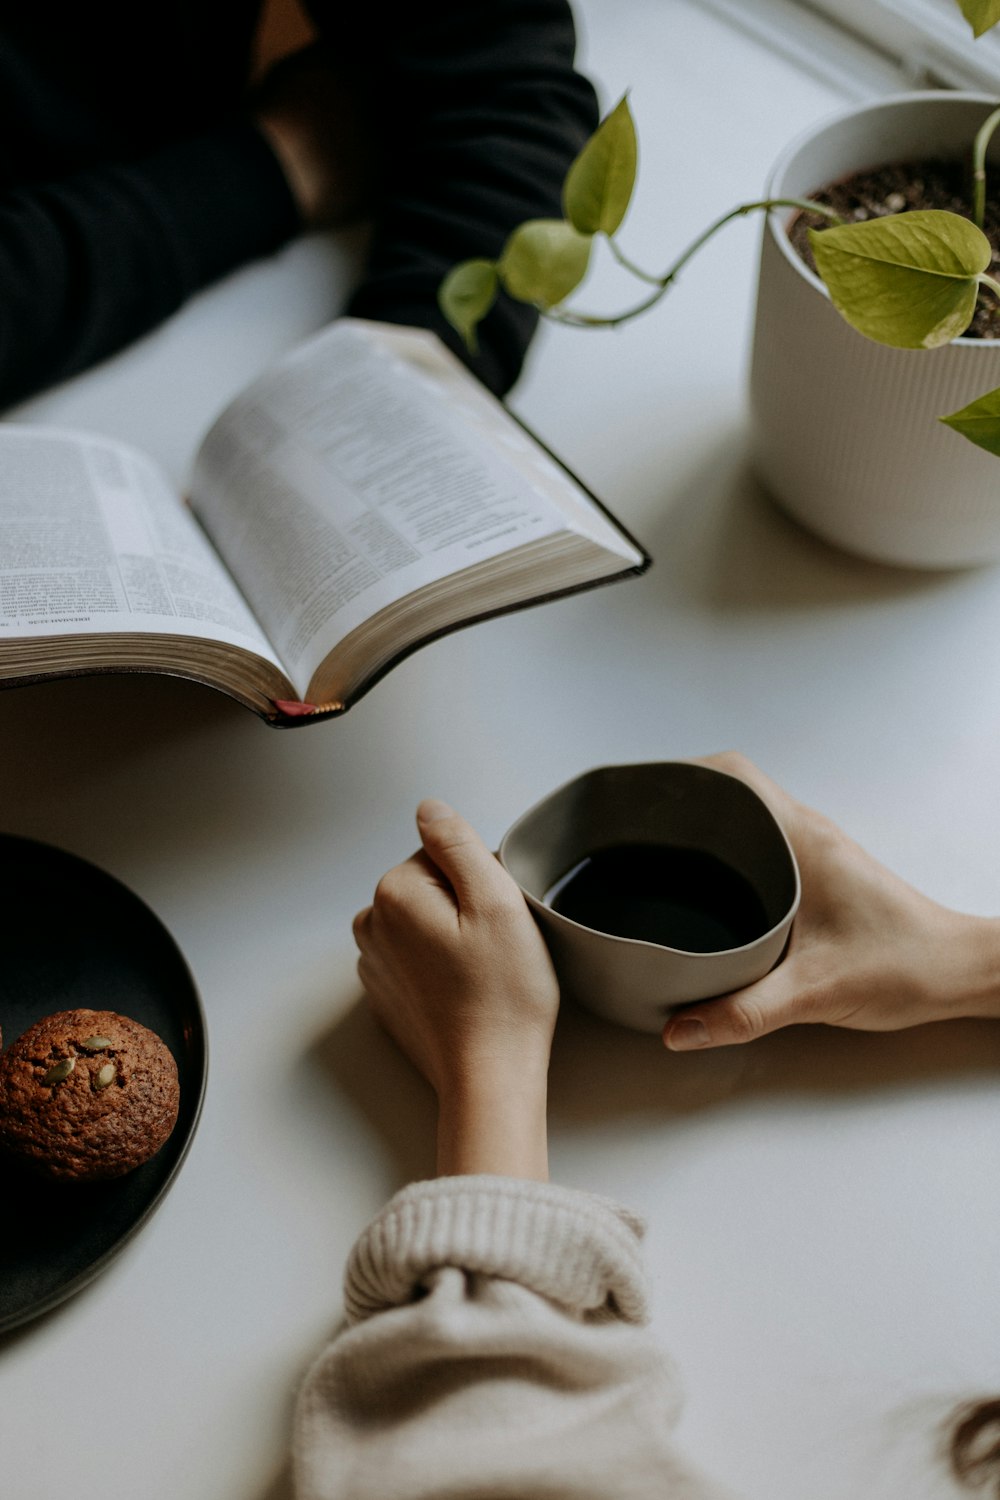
x: 293, y: 709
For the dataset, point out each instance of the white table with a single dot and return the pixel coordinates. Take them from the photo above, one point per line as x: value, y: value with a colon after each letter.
x: 824, y: 1226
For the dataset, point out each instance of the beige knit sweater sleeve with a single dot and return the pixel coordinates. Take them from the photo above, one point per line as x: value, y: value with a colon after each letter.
x: 494, y: 1350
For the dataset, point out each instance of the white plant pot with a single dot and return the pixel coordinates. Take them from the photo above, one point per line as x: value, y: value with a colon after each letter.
x: 845, y: 431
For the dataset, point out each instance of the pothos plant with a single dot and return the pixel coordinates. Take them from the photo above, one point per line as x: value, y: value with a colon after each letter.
x: 910, y: 280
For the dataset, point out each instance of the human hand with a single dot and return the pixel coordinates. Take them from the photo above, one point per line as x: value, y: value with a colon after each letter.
x: 458, y: 974
x: 867, y: 950
x: 311, y: 115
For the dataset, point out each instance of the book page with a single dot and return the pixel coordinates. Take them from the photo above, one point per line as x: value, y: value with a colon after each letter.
x: 93, y: 540
x: 482, y: 413
x: 345, y: 479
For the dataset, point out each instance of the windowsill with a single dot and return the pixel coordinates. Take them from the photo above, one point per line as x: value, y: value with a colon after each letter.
x: 865, y: 53
x: 856, y: 68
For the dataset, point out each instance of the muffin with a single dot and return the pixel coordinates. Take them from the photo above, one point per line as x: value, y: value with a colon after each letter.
x: 86, y: 1095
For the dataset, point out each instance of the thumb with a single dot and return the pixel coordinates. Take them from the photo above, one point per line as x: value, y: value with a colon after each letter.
x: 455, y: 847
x: 773, y: 1002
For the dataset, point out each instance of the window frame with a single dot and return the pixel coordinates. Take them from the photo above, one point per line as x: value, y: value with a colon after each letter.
x: 930, y: 38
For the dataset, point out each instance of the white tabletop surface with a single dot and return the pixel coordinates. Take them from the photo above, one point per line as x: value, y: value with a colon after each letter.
x: 824, y: 1227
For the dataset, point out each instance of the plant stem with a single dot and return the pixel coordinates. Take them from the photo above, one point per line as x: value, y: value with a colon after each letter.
x: 766, y: 204
x: 993, y: 286
x: 663, y: 283
x: 983, y: 137
x: 623, y: 260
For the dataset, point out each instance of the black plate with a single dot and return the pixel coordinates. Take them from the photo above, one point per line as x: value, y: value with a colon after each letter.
x: 73, y: 937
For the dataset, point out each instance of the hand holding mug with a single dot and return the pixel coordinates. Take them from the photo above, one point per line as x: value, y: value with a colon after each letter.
x: 457, y: 972
x: 867, y: 950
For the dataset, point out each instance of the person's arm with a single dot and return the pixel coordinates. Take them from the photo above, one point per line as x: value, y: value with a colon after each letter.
x: 91, y: 261
x: 451, y: 123
x: 495, y: 1348
x: 92, y: 258
x: 457, y: 972
x: 495, y: 1342
x: 477, y: 114
x: 867, y: 950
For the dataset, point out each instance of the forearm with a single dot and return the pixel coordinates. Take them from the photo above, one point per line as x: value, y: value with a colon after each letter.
x: 479, y: 113
x: 92, y: 261
x: 495, y: 1347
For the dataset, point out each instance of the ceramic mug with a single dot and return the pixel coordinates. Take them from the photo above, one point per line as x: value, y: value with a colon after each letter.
x: 666, y: 803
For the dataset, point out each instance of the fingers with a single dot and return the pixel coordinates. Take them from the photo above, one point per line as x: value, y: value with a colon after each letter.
x: 776, y: 1000
x: 453, y: 865
x: 459, y: 853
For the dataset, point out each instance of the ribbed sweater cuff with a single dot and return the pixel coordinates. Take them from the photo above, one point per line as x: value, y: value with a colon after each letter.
x: 574, y: 1248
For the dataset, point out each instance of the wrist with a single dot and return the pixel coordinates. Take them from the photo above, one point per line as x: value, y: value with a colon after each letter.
x: 494, y: 1121
x: 281, y: 139
x: 976, y: 944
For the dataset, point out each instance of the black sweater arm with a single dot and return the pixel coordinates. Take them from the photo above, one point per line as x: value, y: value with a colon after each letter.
x: 92, y: 261
x: 480, y: 113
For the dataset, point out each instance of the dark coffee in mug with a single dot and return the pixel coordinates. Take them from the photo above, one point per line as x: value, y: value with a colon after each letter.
x: 679, y: 898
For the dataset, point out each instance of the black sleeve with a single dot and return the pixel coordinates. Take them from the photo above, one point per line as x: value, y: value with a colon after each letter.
x: 91, y: 261
x: 480, y: 113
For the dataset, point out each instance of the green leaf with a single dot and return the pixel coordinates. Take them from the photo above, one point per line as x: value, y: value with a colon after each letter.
x: 909, y: 280
x: 466, y: 295
x: 980, y: 14
x: 599, y: 183
x: 543, y: 261
x: 979, y: 422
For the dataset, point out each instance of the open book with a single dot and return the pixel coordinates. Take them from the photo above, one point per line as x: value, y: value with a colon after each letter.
x: 363, y: 496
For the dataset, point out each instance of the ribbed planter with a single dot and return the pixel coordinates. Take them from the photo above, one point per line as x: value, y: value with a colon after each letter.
x: 845, y: 431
